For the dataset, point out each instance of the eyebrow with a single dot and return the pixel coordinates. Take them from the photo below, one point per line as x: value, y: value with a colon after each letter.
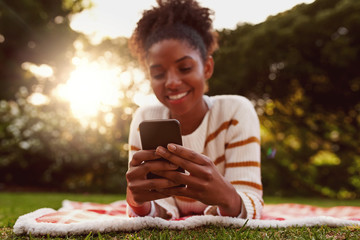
x: 183, y: 58
x: 177, y: 61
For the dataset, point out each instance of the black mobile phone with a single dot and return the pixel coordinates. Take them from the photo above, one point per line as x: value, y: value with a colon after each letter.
x: 159, y: 132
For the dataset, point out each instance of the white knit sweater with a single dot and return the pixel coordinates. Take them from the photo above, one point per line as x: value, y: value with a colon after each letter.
x: 230, y: 136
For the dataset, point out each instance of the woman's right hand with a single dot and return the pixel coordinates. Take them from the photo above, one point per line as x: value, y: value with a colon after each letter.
x: 141, y: 190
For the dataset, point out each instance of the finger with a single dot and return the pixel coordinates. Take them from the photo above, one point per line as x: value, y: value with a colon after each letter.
x: 172, y: 183
x: 159, y: 183
x: 193, y: 183
x: 179, y: 178
x: 140, y: 172
x: 150, y: 184
x: 143, y: 155
x: 186, y: 153
x: 184, y: 163
x: 178, y: 191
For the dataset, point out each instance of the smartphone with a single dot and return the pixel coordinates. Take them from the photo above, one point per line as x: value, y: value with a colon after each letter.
x: 159, y: 132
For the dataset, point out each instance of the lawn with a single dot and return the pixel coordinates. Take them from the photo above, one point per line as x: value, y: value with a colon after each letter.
x: 13, y: 205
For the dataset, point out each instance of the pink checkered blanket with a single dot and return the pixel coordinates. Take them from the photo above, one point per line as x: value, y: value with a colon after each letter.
x: 84, y: 217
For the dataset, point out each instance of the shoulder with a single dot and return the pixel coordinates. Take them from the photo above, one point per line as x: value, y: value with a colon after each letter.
x: 150, y: 111
x: 233, y: 110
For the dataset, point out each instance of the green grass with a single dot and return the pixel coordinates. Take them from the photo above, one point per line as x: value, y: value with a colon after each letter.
x: 13, y: 205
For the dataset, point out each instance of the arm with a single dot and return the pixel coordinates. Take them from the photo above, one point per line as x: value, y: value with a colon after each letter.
x: 139, y: 197
x: 234, y: 174
x: 242, y: 159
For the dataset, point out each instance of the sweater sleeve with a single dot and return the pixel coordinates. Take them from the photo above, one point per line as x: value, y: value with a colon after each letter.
x: 134, y: 135
x: 242, y: 158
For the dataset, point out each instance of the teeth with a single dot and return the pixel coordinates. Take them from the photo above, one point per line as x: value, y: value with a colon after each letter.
x: 177, y: 96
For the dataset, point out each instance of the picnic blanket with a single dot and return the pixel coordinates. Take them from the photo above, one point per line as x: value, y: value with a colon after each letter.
x: 85, y: 217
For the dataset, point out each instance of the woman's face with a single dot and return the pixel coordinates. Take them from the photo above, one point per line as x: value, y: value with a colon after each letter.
x: 178, y: 76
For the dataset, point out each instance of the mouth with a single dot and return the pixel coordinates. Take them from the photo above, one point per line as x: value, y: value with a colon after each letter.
x: 178, y: 96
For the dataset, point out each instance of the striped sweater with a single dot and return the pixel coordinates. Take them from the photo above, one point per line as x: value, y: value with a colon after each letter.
x: 229, y: 135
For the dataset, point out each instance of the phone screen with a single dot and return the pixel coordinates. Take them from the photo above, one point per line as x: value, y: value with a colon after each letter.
x: 161, y: 132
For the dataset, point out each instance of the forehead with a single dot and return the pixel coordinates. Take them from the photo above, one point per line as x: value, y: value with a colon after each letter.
x: 171, y: 49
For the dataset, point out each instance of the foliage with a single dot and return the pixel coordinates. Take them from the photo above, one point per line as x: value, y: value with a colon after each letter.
x: 35, y: 31
x: 301, y: 68
x: 44, y: 146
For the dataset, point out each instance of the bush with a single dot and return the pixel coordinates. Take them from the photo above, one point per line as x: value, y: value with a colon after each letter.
x: 45, y: 146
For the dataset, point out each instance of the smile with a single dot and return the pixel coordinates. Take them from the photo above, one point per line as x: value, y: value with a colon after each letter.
x: 178, y: 96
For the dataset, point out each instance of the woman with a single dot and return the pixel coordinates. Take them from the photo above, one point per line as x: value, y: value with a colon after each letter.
x: 221, y: 141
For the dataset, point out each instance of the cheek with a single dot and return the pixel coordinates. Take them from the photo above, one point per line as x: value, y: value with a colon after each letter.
x: 201, y: 84
x: 153, y: 84
x: 156, y: 87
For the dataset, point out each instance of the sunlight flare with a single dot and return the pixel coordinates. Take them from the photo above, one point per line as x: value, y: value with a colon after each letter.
x: 40, y: 71
x: 98, y: 86
x: 92, y: 87
x: 38, y: 99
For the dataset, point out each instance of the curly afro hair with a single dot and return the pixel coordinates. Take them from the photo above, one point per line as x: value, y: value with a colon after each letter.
x: 174, y: 19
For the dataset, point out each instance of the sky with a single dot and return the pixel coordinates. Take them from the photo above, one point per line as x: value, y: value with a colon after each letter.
x: 114, y: 18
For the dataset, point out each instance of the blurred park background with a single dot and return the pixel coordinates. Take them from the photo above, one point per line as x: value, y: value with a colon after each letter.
x: 61, y: 129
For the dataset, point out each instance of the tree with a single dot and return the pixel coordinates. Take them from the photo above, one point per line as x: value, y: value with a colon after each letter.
x: 35, y: 31
x: 301, y: 69
x: 44, y: 145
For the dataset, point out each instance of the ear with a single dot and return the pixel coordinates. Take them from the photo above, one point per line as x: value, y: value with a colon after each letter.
x: 209, y: 67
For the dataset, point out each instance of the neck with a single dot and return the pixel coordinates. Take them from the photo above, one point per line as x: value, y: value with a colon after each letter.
x: 191, y: 121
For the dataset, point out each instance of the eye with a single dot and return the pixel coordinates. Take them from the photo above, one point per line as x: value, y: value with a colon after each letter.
x: 185, y: 69
x: 157, y: 73
x: 158, y: 76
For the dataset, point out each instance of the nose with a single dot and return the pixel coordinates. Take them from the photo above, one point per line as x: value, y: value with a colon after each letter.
x: 173, y: 80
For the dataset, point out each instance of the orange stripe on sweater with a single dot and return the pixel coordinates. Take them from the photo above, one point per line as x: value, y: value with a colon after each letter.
x: 236, y: 164
x: 242, y: 143
x: 222, y: 127
x: 134, y: 148
x: 253, y: 204
x: 242, y: 164
x: 247, y: 183
x: 219, y: 160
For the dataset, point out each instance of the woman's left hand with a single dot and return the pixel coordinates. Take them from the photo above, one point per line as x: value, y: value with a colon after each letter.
x: 203, y: 183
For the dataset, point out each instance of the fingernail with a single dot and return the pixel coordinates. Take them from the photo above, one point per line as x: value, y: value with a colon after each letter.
x: 160, y: 150
x: 171, y: 147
